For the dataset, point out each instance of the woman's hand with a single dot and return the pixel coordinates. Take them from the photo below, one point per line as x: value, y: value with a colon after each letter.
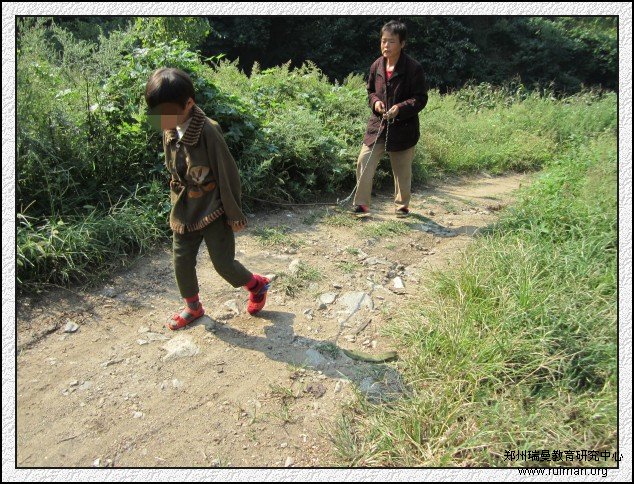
x: 379, y: 107
x: 392, y: 113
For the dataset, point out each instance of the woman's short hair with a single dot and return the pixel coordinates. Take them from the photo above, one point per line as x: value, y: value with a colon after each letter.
x: 168, y: 85
x: 395, y: 27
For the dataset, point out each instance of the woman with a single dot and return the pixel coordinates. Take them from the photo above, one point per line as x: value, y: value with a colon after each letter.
x: 397, y: 91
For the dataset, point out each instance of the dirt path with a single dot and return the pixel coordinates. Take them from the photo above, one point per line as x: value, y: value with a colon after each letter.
x: 236, y: 390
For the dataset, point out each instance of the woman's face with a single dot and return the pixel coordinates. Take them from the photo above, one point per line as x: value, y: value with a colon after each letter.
x: 391, y: 45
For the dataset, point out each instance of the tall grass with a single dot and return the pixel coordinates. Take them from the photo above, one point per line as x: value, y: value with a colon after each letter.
x: 514, y: 349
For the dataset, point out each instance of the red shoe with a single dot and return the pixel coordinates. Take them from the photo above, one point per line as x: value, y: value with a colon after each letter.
x: 402, y: 212
x: 190, y: 317
x: 257, y: 297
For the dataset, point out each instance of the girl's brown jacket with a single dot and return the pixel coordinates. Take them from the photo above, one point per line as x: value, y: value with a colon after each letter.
x: 205, y: 182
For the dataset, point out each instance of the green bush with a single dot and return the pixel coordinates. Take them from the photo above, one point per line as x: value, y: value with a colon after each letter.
x: 84, y: 144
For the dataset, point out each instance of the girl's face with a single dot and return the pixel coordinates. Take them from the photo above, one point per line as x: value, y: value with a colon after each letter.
x: 391, y: 45
x: 169, y: 115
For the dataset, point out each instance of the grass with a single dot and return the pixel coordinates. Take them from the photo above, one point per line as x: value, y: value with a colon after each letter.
x: 348, y: 267
x: 385, y: 229
x: 338, y: 219
x: 514, y: 348
x: 86, y: 247
x: 277, y: 236
x: 293, y: 283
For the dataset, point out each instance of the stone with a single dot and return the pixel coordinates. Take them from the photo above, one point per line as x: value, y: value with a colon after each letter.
x: 289, y: 461
x: 137, y: 415
x: 316, y: 389
x: 293, y: 267
x: 144, y: 329
x: 353, y: 301
x: 398, y: 283
x: 180, y: 346
x: 71, y: 327
x: 233, y: 306
x: 155, y: 337
x: 176, y: 383
x: 328, y: 297
x: 315, y: 358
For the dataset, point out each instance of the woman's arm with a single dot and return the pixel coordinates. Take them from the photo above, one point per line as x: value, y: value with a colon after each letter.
x: 418, y: 98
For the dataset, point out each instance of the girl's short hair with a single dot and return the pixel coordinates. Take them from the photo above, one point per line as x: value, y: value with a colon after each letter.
x: 168, y: 85
x: 395, y: 27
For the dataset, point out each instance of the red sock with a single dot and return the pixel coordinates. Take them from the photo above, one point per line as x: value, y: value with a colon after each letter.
x: 193, y: 302
x: 252, y: 284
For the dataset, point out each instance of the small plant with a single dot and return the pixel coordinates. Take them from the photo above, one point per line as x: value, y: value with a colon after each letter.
x: 386, y: 229
x: 292, y: 283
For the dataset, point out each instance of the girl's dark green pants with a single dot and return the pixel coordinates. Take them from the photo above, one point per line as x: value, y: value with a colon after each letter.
x: 220, y: 241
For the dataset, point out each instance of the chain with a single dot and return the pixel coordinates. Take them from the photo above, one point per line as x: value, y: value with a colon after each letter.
x: 367, y: 160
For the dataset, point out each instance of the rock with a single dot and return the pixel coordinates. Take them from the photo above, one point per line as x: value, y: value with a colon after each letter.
x: 308, y: 311
x: 283, y: 445
x: 155, y: 337
x: 87, y: 385
x: 293, y: 267
x: 137, y: 415
x: 316, y: 389
x: 350, y: 338
x: 373, y: 343
x: 289, y: 461
x: 353, y: 301
x: 71, y: 327
x: 398, y: 283
x: 315, y: 358
x: 328, y: 297
x: 225, y: 316
x: 338, y: 387
x: 96, y: 463
x: 271, y: 277
x: 144, y: 329
x: 142, y: 342
x: 322, y: 306
x: 337, y: 285
x: 432, y: 213
x: 180, y: 346
x: 73, y: 383
x: 233, y: 306
x: 176, y: 383
x: 372, y: 261
x: 361, y: 255
x: 109, y: 291
x: 108, y: 363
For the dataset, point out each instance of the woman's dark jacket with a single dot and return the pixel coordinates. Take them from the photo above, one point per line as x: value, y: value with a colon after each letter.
x: 407, y: 88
